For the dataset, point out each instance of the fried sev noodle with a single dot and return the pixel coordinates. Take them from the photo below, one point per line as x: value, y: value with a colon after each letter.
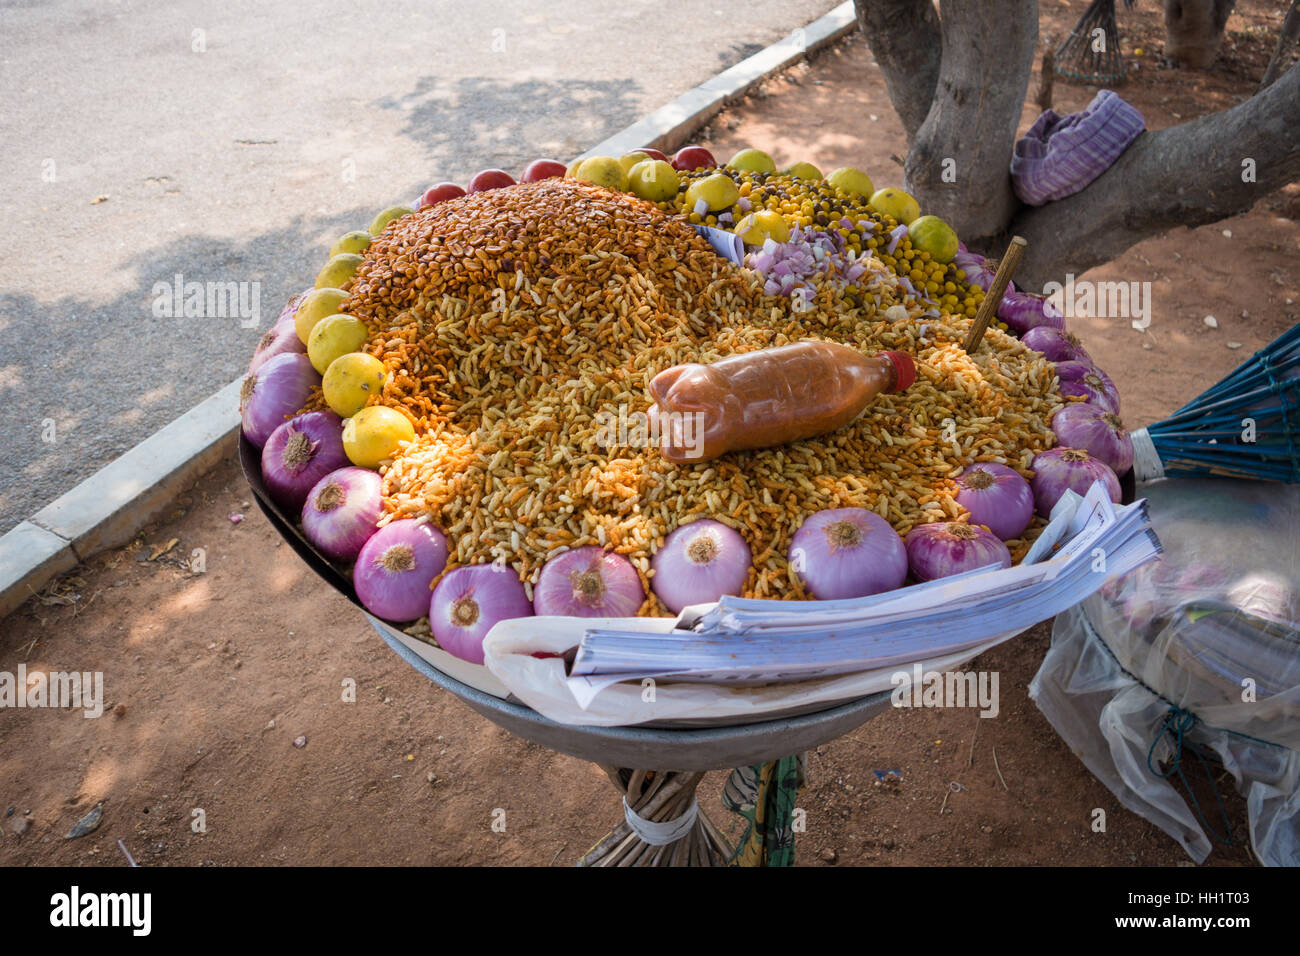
x: 514, y: 323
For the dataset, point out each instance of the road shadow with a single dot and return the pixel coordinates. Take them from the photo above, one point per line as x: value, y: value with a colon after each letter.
x: 508, y: 123
x: 86, y: 377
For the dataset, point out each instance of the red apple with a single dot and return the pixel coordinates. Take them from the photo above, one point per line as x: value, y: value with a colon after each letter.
x: 439, y: 193
x: 490, y: 179
x: 542, y: 169
x: 692, y: 157
x: 652, y: 153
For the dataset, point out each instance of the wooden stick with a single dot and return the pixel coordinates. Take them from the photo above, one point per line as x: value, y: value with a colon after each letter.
x: 993, y: 297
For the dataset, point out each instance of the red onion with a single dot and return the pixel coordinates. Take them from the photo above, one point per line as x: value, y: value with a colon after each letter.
x: 1056, y: 345
x: 848, y: 553
x: 1098, y: 432
x: 699, y: 563
x: 1058, y: 469
x: 468, y: 601
x: 948, y: 547
x: 1022, y: 311
x: 300, y: 453
x: 980, y: 272
x: 395, y: 568
x: 342, y: 510
x: 895, y: 237
x: 274, y: 392
x: 588, y: 582
x: 279, y: 338
x: 1084, y: 378
x: 997, y: 497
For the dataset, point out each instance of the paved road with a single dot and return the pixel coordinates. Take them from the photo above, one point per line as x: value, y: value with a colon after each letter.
x: 233, y: 142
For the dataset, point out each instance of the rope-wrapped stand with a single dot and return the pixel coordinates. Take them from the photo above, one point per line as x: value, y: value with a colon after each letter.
x: 662, y: 826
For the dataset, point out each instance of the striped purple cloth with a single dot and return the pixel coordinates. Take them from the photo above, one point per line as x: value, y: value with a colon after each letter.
x: 1060, y: 155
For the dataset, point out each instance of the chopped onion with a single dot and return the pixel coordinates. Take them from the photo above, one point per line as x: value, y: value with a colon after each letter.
x: 997, y: 497
x: 895, y: 237
x: 699, y: 563
x: 274, y: 392
x: 588, y: 582
x: 342, y: 511
x: 1022, y: 311
x: 1059, y: 469
x: 469, y: 601
x: 395, y: 568
x: 1098, y: 432
x: 848, y: 553
x: 948, y: 547
x: 1056, y: 345
x: 300, y: 453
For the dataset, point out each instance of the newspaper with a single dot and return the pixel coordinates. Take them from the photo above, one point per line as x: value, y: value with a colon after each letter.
x: 743, y: 641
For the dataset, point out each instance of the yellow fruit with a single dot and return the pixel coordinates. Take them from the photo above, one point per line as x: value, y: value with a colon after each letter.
x: 333, y: 336
x: 603, y: 171
x: 758, y: 227
x: 931, y: 234
x: 894, y: 202
x: 753, y: 160
x: 349, y: 382
x: 572, y: 171
x: 653, y: 179
x: 802, y: 171
x: 355, y: 241
x: 318, y: 304
x: 387, y: 216
x: 628, y: 160
x: 852, y: 181
x: 338, y: 270
x: 373, y: 434
x: 718, y: 192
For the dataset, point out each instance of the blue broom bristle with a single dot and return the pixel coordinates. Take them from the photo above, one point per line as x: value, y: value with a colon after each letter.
x: 1207, y: 435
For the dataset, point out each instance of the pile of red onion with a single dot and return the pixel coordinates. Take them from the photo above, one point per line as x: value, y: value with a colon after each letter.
x: 588, y: 582
x: 848, y: 553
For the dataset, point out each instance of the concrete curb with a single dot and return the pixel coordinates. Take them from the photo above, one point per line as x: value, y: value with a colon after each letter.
x: 109, y: 507
x: 668, y: 127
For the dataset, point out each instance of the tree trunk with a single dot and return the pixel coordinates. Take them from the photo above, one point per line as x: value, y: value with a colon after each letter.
x: 904, y: 39
x: 1194, y: 29
x: 958, y: 166
x: 1188, y: 175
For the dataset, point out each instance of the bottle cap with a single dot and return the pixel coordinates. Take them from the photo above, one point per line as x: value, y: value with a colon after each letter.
x: 904, y: 370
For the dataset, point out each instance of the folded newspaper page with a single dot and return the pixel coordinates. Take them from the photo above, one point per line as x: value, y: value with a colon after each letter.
x: 748, y: 641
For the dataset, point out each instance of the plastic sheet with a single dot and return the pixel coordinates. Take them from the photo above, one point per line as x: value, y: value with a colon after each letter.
x: 1210, y: 632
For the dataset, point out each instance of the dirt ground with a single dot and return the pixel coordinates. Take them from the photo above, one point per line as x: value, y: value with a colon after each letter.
x: 226, y: 688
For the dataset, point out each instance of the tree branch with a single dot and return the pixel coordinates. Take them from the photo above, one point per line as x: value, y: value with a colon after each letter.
x: 1285, y: 41
x: 904, y: 38
x: 1187, y: 175
x: 958, y: 166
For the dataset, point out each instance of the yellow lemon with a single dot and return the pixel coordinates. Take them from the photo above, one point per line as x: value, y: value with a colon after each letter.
x: 653, y: 179
x: 373, y: 434
x: 603, y: 171
x: 894, y: 202
x: 753, y: 160
x: 333, y: 336
x: 387, y: 216
x: 350, y: 380
x: 338, y: 270
x: 758, y: 227
x: 718, y: 192
x: 802, y: 171
x: 852, y: 181
x: 931, y: 234
x: 318, y: 304
x: 355, y: 241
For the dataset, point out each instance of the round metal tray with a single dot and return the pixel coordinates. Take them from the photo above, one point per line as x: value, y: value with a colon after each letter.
x: 704, y: 748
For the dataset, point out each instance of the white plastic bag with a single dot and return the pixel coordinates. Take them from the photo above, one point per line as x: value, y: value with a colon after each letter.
x: 1210, y: 632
